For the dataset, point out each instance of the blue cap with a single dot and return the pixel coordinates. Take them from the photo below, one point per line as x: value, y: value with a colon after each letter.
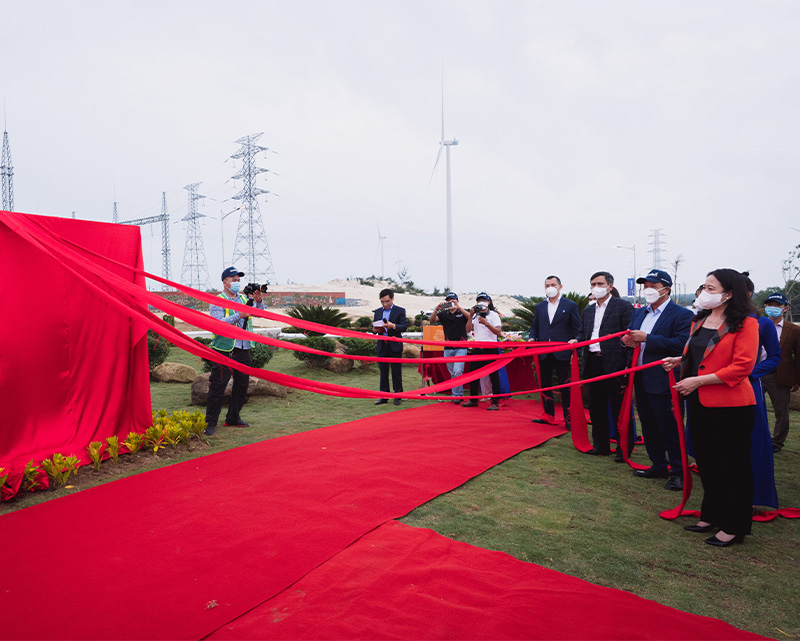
x: 777, y: 297
x: 485, y: 296
x: 656, y: 276
x: 451, y: 296
x: 231, y: 271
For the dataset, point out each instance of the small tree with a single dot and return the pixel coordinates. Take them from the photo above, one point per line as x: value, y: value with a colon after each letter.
x: 323, y: 315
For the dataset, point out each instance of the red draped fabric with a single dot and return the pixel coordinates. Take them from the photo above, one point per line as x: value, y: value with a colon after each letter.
x: 72, y: 371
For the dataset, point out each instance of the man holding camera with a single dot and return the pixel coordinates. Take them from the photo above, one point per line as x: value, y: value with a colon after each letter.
x: 389, y: 320
x: 456, y: 322
x: 237, y: 349
x: 486, y: 326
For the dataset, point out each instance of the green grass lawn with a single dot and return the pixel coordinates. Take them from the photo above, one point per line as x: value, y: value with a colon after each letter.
x: 551, y: 505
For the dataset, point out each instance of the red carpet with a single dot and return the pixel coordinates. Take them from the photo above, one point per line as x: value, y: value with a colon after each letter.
x: 178, y: 552
x: 399, y: 582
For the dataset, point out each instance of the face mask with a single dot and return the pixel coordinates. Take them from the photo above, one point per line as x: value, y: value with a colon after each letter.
x: 652, y: 295
x: 551, y: 292
x: 599, y: 292
x: 235, y: 287
x: 772, y: 311
x: 708, y: 301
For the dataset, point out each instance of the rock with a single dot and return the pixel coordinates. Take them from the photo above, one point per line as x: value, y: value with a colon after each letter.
x: 174, y: 373
x: 339, y: 365
x: 410, y: 351
x: 256, y: 387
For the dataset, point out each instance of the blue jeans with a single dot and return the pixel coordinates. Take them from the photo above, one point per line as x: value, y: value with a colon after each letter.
x: 456, y: 369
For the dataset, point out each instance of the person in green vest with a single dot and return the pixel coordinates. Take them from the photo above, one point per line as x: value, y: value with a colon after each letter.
x: 237, y: 349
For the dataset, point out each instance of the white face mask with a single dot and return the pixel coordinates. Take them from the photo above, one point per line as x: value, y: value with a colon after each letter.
x: 551, y: 292
x: 708, y: 301
x: 652, y: 295
x: 599, y: 292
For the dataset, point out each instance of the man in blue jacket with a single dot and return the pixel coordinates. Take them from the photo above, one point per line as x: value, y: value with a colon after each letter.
x: 662, y: 329
x: 555, y: 319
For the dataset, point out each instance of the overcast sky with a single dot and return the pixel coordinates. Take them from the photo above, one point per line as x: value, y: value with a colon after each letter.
x: 582, y: 125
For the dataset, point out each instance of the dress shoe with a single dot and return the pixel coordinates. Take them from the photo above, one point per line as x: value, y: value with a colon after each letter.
x: 596, y: 452
x: 618, y: 458
x: 713, y: 540
x: 381, y: 401
x: 651, y: 473
x: 493, y: 407
x: 397, y: 401
x: 456, y: 401
x: 699, y: 528
x: 675, y: 484
x: 543, y: 421
x: 209, y: 431
x: 470, y: 404
x: 237, y: 423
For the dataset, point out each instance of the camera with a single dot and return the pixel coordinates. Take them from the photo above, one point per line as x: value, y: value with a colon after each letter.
x: 481, y: 309
x: 447, y: 304
x: 249, y: 289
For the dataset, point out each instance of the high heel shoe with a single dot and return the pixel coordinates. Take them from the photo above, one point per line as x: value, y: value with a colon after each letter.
x: 739, y: 538
x: 699, y: 528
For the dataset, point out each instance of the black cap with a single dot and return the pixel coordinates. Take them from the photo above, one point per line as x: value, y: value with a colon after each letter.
x: 231, y: 271
x: 656, y: 276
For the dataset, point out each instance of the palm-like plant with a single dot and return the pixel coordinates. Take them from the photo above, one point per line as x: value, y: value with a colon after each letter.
x: 522, y: 318
x: 324, y: 315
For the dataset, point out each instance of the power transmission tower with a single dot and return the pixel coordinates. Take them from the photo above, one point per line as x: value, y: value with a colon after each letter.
x: 115, y: 214
x: 195, y: 270
x: 162, y: 218
x: 656, y: 246
x: 251, y: 239
x: 7, y: 175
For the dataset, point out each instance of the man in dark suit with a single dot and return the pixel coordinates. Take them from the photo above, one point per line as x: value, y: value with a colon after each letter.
x: 780, y: 383
x: 555, y: 319
x: 608, y: 316
x: 390, y: 320
x: 662, y: 329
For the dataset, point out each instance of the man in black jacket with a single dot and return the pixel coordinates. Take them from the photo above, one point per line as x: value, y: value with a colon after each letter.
x: 390, y: 320
x: 555, y: 320
x: 609, y: 316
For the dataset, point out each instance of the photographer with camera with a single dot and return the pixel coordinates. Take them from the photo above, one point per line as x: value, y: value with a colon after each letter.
x: 456, y: 323
x: 486, y: 326
x: 237, y: 349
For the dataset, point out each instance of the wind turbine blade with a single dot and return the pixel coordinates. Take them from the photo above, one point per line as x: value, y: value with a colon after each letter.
x: 435, y: 165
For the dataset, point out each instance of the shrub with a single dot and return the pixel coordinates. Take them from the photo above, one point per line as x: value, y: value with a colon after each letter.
x: 59, y: 467
x: 3, y: 477
x: 359, y: 347
x: 317, y: 342
x: 324, y: 315
x: 192, y: 423
x: 260, y: 355
x: 113, y: 447
x: 133, y: 442
x: 169, y: 319
x: 153, y: 437
x: 95, y: 448
x: 363, y: 322
x: 30, y: 477
x: 157, y: 349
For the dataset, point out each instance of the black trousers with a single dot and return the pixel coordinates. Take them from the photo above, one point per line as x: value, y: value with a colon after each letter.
x: 397, y: 375
x: 604, y: 395
x: 494, y: 377
x: 721, y: 439
x: 220, y: 375
x: 549, y: 365
x: 659, y: 429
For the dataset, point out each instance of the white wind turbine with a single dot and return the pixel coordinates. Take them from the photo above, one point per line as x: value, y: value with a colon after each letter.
x: 380, y: 245
x: 446, y: 144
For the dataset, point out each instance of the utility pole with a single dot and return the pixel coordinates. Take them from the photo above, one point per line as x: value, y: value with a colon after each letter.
x: 195, y: 266
x: 7, y: 173
x: 251, y: 240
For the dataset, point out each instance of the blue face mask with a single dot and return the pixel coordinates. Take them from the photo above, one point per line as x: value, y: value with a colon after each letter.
x: 236, y: 286
x: 772, y: 311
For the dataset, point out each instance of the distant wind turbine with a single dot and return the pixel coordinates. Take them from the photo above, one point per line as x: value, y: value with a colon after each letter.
x: 380, y: 245
x: 446, y: 144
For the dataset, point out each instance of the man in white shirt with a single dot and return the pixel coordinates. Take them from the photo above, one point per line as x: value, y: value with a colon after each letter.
x: 486, y: 327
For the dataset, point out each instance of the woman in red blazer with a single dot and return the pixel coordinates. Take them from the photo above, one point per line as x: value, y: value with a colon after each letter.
x: 715, y: 365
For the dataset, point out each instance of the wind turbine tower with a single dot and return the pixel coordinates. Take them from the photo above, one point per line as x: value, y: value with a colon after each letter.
x: 251, y: 239
x: 195, y: 269
x: 446, y: 144
x: 7, y: 173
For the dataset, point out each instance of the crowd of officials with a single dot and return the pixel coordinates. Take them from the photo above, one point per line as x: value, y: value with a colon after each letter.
x: 726, y: 357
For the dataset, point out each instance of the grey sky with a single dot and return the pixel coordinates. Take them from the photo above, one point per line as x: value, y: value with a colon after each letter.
x: 582, y: 125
